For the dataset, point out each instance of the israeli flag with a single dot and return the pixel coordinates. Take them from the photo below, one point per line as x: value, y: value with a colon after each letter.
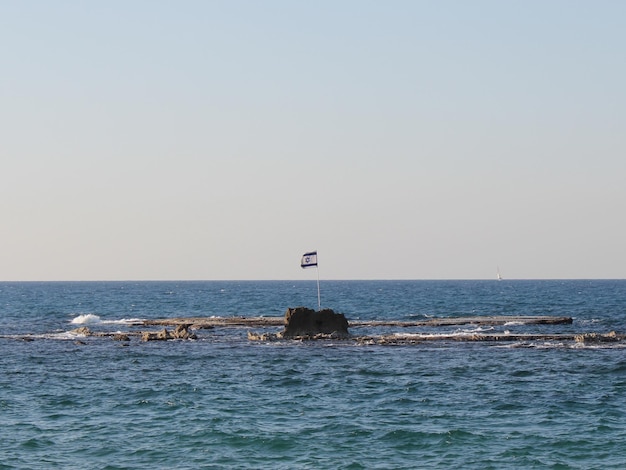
x: 309, y: 260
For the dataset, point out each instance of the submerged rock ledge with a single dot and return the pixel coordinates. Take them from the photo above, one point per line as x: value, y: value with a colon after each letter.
x: 182, y: 331
x: 400, y: 339
x: 301, y: 324
x: 259, y: 322
x: 585, y: 338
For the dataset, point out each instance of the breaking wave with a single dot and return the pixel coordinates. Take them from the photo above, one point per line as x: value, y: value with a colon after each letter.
x: 86, y: 319
x: 92, y: 319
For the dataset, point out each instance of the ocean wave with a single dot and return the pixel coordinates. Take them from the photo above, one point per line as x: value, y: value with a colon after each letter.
x: 124, y: 321
x: 86, y: 319
x: 92, y: 319
x: 477, y: 329
x: 443, y: 336
x: 62, y: 335
x: 558, y: 345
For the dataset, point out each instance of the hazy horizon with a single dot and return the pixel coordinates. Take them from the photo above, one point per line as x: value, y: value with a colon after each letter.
x: 309, y: 280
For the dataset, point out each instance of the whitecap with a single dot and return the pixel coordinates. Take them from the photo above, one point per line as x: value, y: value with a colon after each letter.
x: 409, y: 335
x: 63, y: 336
x: 124, y: 321
x: 477, y: 329
x: 86, y: 318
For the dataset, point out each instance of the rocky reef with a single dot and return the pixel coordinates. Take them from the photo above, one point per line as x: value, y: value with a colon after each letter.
x: 301, y: 323
x: 180, y: 332
x: 597, y: 338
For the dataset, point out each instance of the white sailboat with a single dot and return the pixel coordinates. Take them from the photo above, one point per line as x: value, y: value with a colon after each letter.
x: 498, y: 274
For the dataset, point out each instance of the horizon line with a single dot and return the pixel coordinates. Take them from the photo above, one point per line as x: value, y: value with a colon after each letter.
x: 327, y: 279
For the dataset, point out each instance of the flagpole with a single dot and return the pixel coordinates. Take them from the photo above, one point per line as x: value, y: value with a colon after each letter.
x: 319, y: 301
x: 309, y: 260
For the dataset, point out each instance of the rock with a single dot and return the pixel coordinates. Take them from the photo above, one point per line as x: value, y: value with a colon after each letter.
x: 252, y: 336
x: 158, y: 336
x: 83, y: 330
x: 307, y: 323
x: 592, y: 338
x: 163, y: 334
x: 121, y: 337
x: 181, y: 332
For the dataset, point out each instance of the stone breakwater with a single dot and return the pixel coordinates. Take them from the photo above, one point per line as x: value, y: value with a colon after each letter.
x: 261, y: 322
x: 181, y: 331
x: 305, y: 324
x: 584, y: 338
x: 301, y: 323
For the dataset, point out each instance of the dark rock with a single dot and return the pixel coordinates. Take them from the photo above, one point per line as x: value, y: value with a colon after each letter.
x: 593, y: 338
x: 121, y: 337
x: 181, y: 332
x: 304, y: 322
x: 83, y: 330
x: 252, y: 336
x: 158, y: 336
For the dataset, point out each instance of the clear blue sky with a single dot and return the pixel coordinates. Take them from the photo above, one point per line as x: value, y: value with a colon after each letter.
x: 401, y: 139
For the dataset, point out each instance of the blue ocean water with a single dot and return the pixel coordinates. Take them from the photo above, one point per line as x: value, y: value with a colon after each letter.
x: 222, y: 401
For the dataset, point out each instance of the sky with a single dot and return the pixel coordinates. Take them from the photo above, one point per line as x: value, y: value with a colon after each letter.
x: 175, y: 140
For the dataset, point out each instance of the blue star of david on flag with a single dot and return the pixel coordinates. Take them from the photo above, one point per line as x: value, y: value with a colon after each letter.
x: 309, y: 260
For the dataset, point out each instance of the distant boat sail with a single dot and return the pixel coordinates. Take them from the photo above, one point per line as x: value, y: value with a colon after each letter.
x: 499, y: 277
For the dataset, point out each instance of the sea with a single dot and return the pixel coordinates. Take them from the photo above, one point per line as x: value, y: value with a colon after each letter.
x: 221, y: 401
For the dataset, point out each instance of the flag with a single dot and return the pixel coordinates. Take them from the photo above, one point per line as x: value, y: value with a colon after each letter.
x: 309, y: 260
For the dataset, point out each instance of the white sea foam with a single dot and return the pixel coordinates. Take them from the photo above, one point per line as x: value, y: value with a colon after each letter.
x: 457, y: 334
x: 124, y: 321
x: 62, y: 336
x: 86, y: 319
x: 92, y: 319
x: 408, y: 335
x: 477, y: 329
